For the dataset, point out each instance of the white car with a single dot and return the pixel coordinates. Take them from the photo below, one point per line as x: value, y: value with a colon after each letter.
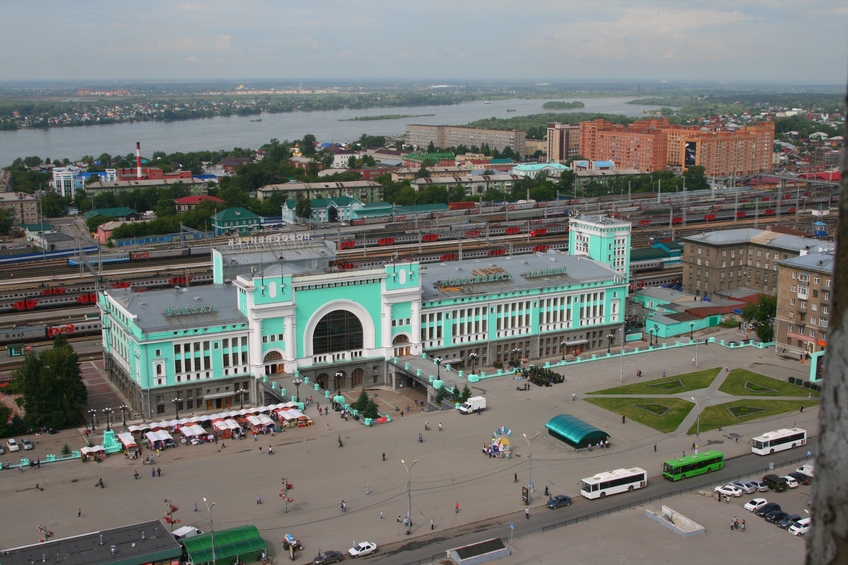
x: 13, y: 445
x: 746, y: 487
x: 755, y: 503
x: 28, y: 444
x: 729, y: 490
x: 800, y: 527
x: 362, y: 548
x: 791, y: 481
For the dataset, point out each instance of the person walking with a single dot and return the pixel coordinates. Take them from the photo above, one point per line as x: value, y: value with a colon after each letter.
x: 432, y: 524
x: 341, y: 443
x: 135, y: 475
x: 270, y: 450
x: 623, y: 419
x: 440, y: 426
x: 515, y: 478
x: 258, y: 500
x: 655, y: 448
x: 547, y: 492
x: 344, y: 506
x: 153, y: 473
x: 384, y: 456
x: 367, y: 489
x: 573, y: 396
x: 158, y: 471
x: 663, y: 373
x: 79, y: 513
x: 195, y: 507
x: 456, y: 507
x: 527, y: 513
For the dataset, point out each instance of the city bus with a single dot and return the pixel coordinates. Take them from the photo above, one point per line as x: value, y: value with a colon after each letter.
x: 778, y: 440
x: 695, y: 464
x: 614, y: 482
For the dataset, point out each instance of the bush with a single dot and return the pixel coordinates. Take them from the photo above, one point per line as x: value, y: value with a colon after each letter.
x: 807, y: 384
x: 441, y: 395
x: 66, y: 450
x: 497, y: 365
x: 792, y: 380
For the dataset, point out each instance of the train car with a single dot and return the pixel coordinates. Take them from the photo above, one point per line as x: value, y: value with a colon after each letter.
x: 82, y: 327
x: 116, y: 258
x: 23, y: 333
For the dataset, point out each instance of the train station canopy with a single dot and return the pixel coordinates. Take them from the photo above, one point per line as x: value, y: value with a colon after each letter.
x: 574, y: 431
x: 243, y: 541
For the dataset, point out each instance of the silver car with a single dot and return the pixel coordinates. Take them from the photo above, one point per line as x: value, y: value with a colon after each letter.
x: 747, y: 487
x: 761, y: 486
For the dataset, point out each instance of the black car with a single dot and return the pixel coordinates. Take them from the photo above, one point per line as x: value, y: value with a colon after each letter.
x: 559, y: 501
x: 765, y: 509
x: 801, y: 478
x: 787, y: 521
x: 776, y: 516
x: 328, y: 557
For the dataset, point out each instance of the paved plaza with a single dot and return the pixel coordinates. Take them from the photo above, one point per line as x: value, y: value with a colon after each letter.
x: 449, y: 468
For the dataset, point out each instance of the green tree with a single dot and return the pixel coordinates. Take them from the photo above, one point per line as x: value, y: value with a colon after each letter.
x: 696, y: 178
x: 51, y: 387
x: 7, y: 218
x: 371, y: 410
x: 303, y: 209
x: 362, y: 402
x: 307, y: 145
x: 761, y: 313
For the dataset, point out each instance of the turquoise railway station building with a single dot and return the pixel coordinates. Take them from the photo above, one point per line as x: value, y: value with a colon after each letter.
x: 283, y: 307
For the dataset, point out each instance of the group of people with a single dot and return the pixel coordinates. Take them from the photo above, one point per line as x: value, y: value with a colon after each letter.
x: 734, y: 525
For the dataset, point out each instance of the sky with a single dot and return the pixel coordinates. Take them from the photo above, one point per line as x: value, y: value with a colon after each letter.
x: 784, y: 41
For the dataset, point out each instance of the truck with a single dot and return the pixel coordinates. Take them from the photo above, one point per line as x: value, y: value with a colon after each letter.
x: 185, y: 532
x: 807, y: 469
x: 473, y: 404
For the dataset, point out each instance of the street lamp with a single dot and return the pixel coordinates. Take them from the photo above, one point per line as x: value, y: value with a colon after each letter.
x: 697, y: 335
x: 698, y: 426
x: 123, y: 409
x: 621, y: 367
x: 473, y: 357
x: 108, y: 412
x: 562, y: 347
x: 93, y: 414
x: 177, y: 401
x: 516, y: 353
x: 691, y: 329
x: 241, y: 392
x: 211, y: 525
x: 297, y: 383
x: 339, y: 376
x: 610, y: 337
x: 408, y: 494
x: 438, y: 361
x: 530, y: 459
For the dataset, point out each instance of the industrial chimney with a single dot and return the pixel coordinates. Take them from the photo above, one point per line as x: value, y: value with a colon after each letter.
x: 138, y: 159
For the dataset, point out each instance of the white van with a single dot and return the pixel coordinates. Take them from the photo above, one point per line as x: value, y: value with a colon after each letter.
x: 800, y: 527
x: 185, y: 532
x: 807, y: 469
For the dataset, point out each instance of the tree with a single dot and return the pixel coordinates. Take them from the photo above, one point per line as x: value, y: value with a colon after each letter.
x: 371, y: 410
x: 51, y: 387
x: 362, y: 402
x: 696, y: 179
x: 7, y: 218
x: 307, y: 145
x: 762, y: 313
x: 303, y: 209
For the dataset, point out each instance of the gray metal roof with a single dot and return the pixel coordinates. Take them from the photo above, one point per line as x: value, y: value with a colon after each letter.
x: 181, y: 308
x: 565, y: 270
x: 724, y: 237
x: 819, y: 262
x: 761, y: 237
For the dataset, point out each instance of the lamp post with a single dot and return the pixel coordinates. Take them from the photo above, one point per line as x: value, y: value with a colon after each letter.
x: 516, y: 353
x: 339, y: 376
x: 177, y: 401
x: 530, y: 459
x: 241, y: 392
x: 408, y: 494
x: 698, y: 426
x: 297, y: 383
x: 562, y: 347
x: 438, y: 361
x: 691, y: 329
x: 697, y: 335
x: 473, y: 357
x: 108, y: 412
x: 123, y: 409
x: 209, y: 508
x: 610, y: 337
x: 93, y: 414
x: 621, y: 365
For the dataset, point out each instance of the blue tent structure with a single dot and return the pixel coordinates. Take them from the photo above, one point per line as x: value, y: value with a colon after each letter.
x: 574, y: 431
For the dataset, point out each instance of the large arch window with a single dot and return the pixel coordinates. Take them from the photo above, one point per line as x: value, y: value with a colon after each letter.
x: 339, y: 330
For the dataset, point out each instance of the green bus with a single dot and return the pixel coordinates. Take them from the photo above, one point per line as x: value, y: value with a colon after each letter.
x: 691, y: 465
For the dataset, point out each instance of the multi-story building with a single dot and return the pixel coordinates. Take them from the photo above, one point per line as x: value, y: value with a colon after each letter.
x: 740, y: 258
x: 421, y: 136
x: 563, y: 142
x: 67, y: 180
x: 279, y: 309
x: 474, y: 185
x: 805, y: 284
x: 23, y: 206
x: 364, y: 190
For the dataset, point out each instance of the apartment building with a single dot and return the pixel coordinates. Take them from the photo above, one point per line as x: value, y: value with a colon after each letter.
x: 421, y: 136
x: 746, y: 258
x: 563, y: 142
x: 805, y: 284
x: 23, y: 206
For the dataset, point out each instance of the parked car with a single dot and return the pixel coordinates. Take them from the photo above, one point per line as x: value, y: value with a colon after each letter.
x: 746, y: 487
x: 27, y: 444
x: 790, y: 481
x: 775, y: 483
x: 761, y: 486
x: 2, y: 450
x: 755, y: 504
x: 13, y: 445
x: 328, y: 557
x: 800, y: 527
x: 766, y: 508
x: 729, y: 490
x: 362, y: 548
x: 801, y: 478
x: 787, y: 521
x: 776, y: 516
x: 559, y: 501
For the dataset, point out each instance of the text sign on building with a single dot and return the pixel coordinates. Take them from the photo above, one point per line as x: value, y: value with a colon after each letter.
x: 478, y: 279
x: 545, y: 272
x: 189, y: 310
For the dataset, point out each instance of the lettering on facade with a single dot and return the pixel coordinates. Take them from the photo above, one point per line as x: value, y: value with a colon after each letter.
x: 275, y: 238
x: 545, y: 272
x: 189, y: 310
x: 487, y: 275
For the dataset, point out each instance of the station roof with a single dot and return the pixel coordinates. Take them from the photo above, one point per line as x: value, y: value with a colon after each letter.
x: 244, y: 540
x: 574, y: 431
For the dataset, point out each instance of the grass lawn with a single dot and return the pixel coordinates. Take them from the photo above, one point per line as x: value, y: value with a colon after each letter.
x: 746, y: 383
x: 668, y: 385
x: 662, y: 414
x: 747, y: 410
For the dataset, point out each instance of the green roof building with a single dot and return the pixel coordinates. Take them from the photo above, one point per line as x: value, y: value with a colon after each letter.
x: 236, y: 221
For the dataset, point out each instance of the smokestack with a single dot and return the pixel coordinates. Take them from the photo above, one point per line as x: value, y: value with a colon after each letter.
x: 138, y: 159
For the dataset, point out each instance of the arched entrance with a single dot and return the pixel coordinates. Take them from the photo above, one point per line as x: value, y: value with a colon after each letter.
x: 401, y: 345
x: 339, y: 380
x: 356, y: 378
x: 272, y: 364
x: 340, y: 330
x: 322, y: 380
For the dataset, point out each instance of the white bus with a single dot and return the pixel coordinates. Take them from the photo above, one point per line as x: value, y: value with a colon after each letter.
x: 778, y: 440
x: 614, y: 482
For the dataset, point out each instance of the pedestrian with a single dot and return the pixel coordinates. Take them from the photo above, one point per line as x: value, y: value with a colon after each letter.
x: 440, y: 424
x: 432, y: 524
x: 367, y: 489
x: 456, y: 508
x: 655, y: 448
x: 684, y: 453
x: 406, y: 521
x: 527, y: 513
x: 79, y: 512
x: 270, y: 450
x: 381, y: 515
x: 384, y: 456
x: 401, y: 413
x: 515, y: 478
x: 663, y: 373
x: 623, y: 419
x: 158, y: 471
x: 547, y: 492
x: 735, y: 523
x: 731, y: 525
x: 260, y: 450
x: 693, y: 360
x: 344, y: 506
x: 573, y: 396
x: 135, y: 475
x: 258, y: 500
x: 153, y: 473
x: 341, y: 443
x: 195, y: 507
x: 743, y: 525
x: 693, y: 446
x: 420, y: 438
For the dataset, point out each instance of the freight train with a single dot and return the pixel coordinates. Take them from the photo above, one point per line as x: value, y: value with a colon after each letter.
x: 143, y: 255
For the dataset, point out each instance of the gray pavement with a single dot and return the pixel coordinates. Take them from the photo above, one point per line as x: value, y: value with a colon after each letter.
x: 450, y: 468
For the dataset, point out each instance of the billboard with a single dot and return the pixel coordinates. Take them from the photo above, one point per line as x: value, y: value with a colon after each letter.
x: 690, y: 158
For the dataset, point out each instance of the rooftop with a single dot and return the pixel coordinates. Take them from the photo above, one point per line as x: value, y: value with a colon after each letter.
x: 760, y: 237
x: 820, y: 262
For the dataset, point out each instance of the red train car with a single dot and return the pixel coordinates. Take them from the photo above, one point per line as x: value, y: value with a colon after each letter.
x: 539, y: 232
x: 497, y: 252
x: 427, y: 238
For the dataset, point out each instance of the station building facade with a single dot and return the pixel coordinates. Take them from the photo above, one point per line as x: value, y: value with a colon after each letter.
x: 282, y: 308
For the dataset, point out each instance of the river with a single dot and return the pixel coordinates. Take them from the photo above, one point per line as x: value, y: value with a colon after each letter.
x: 240, y: 131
